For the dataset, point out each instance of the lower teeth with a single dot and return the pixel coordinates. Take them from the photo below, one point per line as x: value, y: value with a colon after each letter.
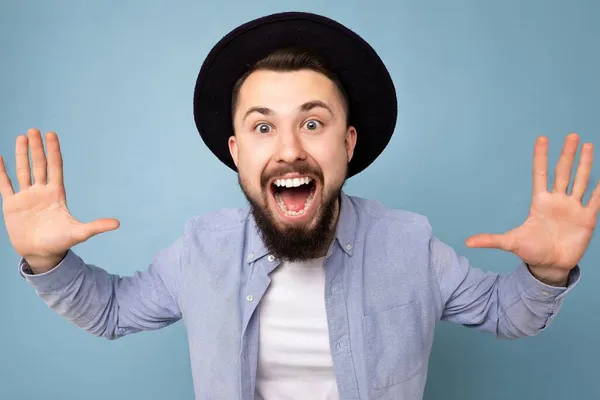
x: 294, y: 213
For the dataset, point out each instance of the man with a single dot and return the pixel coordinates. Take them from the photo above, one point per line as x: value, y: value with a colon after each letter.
x: 311, y: 293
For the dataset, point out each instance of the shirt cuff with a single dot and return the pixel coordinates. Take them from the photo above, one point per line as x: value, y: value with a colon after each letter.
x: 55, y: 279
x: 536, y: 289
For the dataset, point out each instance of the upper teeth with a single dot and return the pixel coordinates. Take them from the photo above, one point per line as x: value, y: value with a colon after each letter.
x: 293, y: 182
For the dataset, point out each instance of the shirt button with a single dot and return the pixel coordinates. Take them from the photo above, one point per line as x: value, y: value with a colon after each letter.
x: 250, y: 256
x: 339, y: 345
x: 271, y: 258
x: 348, y: 247
x: 249, y: 297
x: 545, y: 293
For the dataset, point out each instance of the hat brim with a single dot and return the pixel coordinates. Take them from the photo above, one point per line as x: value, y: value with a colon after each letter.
x: 369, y: 86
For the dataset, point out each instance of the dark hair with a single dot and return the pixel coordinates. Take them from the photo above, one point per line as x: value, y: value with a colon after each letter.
x: 292, y: 59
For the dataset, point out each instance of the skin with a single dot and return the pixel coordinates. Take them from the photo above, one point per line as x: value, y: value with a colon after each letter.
x: 285, y: 119
x: 552, y: 240
x: 559, y: 227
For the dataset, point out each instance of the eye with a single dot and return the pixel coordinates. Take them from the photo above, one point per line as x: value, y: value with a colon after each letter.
x: 312, y: 124
x: 263, y: 128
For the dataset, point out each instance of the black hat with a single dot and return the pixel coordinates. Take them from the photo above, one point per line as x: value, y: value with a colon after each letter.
x: 367, y: 82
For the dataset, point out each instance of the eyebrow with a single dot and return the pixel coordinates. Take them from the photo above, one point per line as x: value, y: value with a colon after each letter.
x: 260, y: 110
x: 304, y: 108
x: 315, y: 104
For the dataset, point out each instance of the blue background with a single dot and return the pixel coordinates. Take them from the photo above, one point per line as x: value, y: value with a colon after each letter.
x: 477, y: 82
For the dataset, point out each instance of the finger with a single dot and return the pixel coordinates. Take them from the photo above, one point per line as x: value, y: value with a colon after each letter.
x: 594, y: 202
x: 492, y: 241
x: 38, y: 158
x: 23, y: 171
x: 6, y: 188
x: 55, y: 160
x: 562, y: 172
x: 582, y: 176
x: 85, y: 231
x: 540, y: 165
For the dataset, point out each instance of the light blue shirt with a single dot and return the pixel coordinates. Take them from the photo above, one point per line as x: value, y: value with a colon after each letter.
x: 388, y: 281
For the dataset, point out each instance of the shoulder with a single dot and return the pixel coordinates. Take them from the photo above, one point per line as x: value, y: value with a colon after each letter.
x: 222, y: 220
x: 373, y: 213
x: 216, y: 226
x: 391, y: 230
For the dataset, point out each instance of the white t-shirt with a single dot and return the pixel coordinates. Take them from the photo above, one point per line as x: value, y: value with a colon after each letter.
x: 294, y: 359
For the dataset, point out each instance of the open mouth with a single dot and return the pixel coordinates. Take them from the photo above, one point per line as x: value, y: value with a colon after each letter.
x: 294, y: 196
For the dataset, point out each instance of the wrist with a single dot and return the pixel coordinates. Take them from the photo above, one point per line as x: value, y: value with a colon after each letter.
x: 552, y: 276
x: 40, y: 265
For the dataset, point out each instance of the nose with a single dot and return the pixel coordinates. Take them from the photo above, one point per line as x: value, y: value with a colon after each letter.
x: 289, y: 147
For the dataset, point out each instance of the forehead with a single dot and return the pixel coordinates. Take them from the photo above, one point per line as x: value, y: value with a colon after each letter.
x: 276, y: 88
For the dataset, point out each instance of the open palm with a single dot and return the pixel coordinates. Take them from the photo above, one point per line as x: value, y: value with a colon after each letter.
x: 559, y: 226
x: 37, y: 219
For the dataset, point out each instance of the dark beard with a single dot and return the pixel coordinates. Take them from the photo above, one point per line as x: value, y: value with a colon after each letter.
x: 296, y: 243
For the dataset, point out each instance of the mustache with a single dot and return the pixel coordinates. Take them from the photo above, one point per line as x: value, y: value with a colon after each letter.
x: 302, y: 168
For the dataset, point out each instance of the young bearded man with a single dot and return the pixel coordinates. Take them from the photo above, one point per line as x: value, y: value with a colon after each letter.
x: 310, y: 293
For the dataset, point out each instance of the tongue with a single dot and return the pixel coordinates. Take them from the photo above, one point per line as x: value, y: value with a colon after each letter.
x: 295, y: 198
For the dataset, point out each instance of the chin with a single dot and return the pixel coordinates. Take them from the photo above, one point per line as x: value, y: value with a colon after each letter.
x: 294, y: 218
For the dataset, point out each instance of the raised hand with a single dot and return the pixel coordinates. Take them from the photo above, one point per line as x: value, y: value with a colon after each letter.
x: 37, y: 219
x: 555, y: 235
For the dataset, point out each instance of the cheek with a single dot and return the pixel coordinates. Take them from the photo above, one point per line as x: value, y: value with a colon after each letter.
x: 333, y: 162
x: 252, y: 161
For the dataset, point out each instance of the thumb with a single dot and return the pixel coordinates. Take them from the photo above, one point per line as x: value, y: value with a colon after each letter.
x: 85, y: 231
x: 488, y: 240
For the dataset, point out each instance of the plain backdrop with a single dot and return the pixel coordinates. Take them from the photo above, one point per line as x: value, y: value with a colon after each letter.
x: 477, y: 81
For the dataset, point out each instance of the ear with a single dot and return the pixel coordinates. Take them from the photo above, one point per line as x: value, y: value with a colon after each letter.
x: 350, y: 142
x: 233, y: 149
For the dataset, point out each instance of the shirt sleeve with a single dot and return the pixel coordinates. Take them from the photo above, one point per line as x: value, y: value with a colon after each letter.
x: 509, y: 306
x: 109, y: 305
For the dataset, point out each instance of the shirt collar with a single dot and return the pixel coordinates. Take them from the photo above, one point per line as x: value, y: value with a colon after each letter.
x: 346, y: 226
x: 345, y: 231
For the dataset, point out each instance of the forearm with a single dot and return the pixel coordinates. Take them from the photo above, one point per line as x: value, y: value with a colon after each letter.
x: 105, y: 304
x: 528, y: 305
x: 82, y: 294
x: 508, y: 306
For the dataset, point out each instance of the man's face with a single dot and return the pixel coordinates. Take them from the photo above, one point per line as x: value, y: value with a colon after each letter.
x: 292, y: 147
